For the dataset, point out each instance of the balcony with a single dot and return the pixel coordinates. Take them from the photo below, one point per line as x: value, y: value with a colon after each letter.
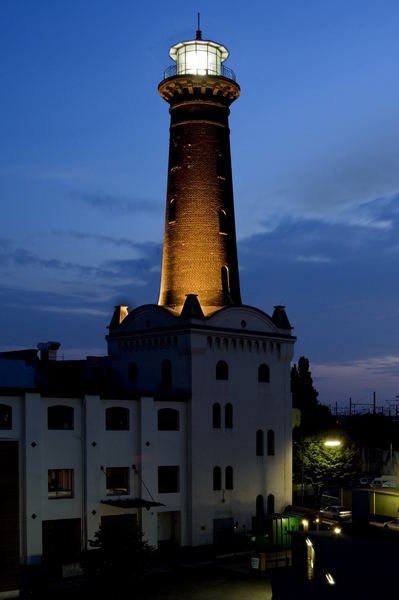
x: 223, y: 72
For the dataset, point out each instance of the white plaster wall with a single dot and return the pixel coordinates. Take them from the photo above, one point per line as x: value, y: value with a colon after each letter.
x: 108, y: 449
x: 33, y: 477
x: 62, y: 449
x: 161, y: 448
x: 255, y: 406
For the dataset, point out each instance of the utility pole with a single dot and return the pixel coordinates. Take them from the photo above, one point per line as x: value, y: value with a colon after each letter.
x: 350, y: 406
x: 373, y: 403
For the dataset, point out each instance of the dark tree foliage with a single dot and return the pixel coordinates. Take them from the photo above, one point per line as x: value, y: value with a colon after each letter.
x: 374, y: 431
x: 314, y: 416
x: 119, y: 562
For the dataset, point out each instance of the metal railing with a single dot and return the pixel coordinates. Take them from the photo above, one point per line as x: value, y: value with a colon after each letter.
x: 225, y: 72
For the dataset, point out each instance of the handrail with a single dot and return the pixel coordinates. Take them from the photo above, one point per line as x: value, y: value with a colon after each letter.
x: 225, y: 72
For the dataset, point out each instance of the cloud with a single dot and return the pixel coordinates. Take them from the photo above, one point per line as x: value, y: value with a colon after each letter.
x: 371, y: 230
x: 313, y: 258
x: 143, y: 249
x: 358, y: 379
x: 116, y: 205
x: 122, y: 270
x: 82, y: 310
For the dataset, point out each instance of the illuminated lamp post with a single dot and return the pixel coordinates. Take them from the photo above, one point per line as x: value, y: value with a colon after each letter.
x: 332, y: 443
x: 200, y: 250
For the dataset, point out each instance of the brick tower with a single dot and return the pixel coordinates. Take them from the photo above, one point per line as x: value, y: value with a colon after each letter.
x: 200, y: 251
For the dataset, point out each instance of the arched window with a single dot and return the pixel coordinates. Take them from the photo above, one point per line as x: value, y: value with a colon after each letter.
x: 259, y: 442
x: 263, y: 374
x: 222, y: 370
x: 222, y: 221
x: 225, y: 280
x: 166, y: 373
x: 174, y: 155
x: 216, y: 416
x: 5, y: 416
x: 270, y: 504
x: 168, y: 419
x: 229, y: 478
x: 60, y: 417
x: 228, y: 416
x: 117, y: 418
x: 220, y: 165
x: 260, y: 507
x: 172, y: 211
x: 217, y: 478
x: 270, y: 442
x: 133, y: 372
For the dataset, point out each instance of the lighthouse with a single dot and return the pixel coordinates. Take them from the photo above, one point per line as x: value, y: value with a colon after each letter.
x: 206, y: 377
x: 200, y: 250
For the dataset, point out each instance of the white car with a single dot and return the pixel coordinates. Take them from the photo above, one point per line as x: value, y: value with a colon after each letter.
x: 336, y: 512
x: 394, y: 524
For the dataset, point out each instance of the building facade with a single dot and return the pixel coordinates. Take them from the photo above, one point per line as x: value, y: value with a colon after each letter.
x: 184, y: 429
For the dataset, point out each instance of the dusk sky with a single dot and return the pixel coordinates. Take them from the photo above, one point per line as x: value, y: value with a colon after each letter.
x: 314, y: 137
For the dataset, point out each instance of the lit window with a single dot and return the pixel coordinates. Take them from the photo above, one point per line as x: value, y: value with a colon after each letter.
x: 217, y: 478
x: 168, y: 480
x: 60, y: 417
x: 222, y: 370
x: 228, y: 416
x: 5, y: 416
x: 117, y: 481
x: 60, y: 483
x: 270, y: 442
x: 263, y: 374
x: 117, y: 418
x: 229, y: 478
x: 168, y: 419
x: 259, y: 443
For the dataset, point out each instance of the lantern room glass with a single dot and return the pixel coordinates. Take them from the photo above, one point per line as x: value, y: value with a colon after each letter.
x: 196, y: 58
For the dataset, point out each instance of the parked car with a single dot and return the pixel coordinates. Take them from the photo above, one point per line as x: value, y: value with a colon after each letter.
x: 385, y: 481
x: 365, y: 481
x: 394, y: 524
x: 336, y: 512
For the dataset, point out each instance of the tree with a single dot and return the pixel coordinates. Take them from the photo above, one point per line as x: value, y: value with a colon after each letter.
x: 321, y: 465
x: 120, y: 561
x: 314, y: 416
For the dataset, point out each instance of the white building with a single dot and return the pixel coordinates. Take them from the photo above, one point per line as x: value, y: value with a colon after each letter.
x: 185, y: 428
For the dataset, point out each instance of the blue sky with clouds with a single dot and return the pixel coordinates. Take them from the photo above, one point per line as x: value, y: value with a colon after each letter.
x: 315, y: 138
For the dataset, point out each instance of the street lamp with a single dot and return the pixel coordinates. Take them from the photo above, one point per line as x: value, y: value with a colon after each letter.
x: 332, y: 443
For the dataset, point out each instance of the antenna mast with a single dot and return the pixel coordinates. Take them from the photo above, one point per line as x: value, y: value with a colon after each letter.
x: 198, y: 34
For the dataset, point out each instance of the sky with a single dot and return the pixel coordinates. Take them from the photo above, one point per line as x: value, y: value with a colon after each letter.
x: 314, y: 141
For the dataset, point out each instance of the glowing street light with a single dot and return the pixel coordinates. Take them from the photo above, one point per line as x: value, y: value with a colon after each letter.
x: 337, y: 530
x: 330, y: 579
x: 332, y: 443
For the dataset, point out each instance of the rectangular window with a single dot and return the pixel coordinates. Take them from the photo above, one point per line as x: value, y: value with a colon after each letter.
x: 168, y: 480
x: 60, y: 483
x: 117, y: 481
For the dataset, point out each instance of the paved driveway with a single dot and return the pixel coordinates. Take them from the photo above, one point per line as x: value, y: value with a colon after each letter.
x: 208, y: 586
